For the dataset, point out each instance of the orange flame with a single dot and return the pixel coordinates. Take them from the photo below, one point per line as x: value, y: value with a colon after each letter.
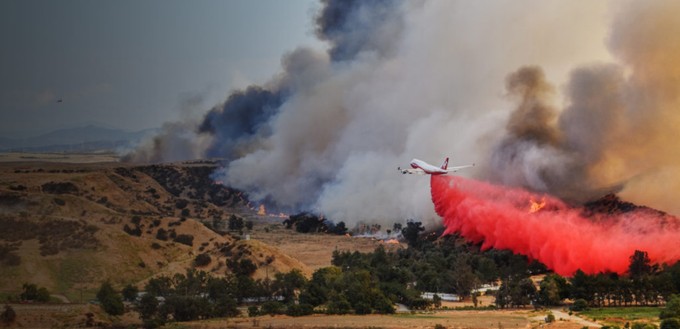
x: 392, y: 241
x: 536, y: 206
x: 262, y: 211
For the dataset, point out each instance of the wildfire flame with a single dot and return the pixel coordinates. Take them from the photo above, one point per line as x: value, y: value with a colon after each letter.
x: 262, y: 211
x: 392, y: 241
x: 536, y: 206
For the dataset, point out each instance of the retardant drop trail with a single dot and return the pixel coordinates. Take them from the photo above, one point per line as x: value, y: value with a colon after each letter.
x: 541, y: 227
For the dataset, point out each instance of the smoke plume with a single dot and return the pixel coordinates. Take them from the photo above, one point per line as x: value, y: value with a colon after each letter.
x: 538, y: 100
x: 559, y: 236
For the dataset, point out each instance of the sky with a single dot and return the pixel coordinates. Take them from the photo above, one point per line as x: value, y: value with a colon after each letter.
x: 134, y: 65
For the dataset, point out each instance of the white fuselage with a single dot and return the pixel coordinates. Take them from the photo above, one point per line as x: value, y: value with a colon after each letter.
x: 427, y: 168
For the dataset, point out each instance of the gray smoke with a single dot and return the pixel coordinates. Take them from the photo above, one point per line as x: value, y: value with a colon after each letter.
x: 479, y: 82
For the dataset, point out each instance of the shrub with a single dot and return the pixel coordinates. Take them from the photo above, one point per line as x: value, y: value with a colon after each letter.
x: 299, y: 310
x: 579, y: 305
x: 272, y: 308
x: 340, y: 306
x: 253, y: 310
x: 162, y: 234
x: 132, y: 231
x: 186, y: 239
x: 550, y: 317
x: 202, y: 260
x: 670, y: 323
x: 8, y: 316
x: 181, y: 203
x: 155, y: 245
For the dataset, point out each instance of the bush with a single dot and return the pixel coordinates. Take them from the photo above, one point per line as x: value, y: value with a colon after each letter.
x: 132, y: 231
x: 8, y: 316
x: 202, y: 260
x: 272, y: 308
x: 550, y: 317
x: 181, y: 203
x: 439, y: 326
x: 341, y: 306
x: 670, y: 323
x: 362, y: 308
x: 579, y: 305
x: 186, y: 239
x: 162, y: 234
x: 253, y: 310
x: 33, y: 293
x: 299, y: 310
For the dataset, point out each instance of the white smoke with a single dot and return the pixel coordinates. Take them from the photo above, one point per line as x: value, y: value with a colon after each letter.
x: 337, y: 141
x: 431, y: 79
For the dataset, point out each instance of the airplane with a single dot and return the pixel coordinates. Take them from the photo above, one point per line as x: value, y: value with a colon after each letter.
x: 421, y: 167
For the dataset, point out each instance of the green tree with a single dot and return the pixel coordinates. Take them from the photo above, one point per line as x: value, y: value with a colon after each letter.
x: 272, y: 308
x: 411, y: 232
x: 464, y: 279
x: 436, y: 301
x: 549, y: 292
x: 33, y: 293
x: 287, y: 284
x: 582, y: 287
x: 672, y: 309
x: 579, y: 305
x: 640, y: 265
x: 161, y: 286
x: 235, y: 223
x: 130, y: 293
x: 43, y: 295
x: 148, y: 310
x: 111, y: 301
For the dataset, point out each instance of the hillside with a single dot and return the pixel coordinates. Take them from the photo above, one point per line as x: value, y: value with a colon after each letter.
x: 68, y: 227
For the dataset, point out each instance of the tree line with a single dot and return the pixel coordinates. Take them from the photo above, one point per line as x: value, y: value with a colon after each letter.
x: 367, y: 283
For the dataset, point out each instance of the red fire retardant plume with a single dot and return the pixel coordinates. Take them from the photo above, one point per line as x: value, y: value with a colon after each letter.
x: 559, y: 236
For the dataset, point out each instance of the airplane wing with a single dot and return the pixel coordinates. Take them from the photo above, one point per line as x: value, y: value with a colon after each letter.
x: 454, y: 169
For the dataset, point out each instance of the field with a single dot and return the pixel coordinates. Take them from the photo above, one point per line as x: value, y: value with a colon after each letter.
x: 620, y: 315
x: 448, y: 319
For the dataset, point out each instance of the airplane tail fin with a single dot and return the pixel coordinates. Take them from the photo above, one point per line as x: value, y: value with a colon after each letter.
x: 445, y: 164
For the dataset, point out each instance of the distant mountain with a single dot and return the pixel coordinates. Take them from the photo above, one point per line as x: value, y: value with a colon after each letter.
x: 6, y: 142
x: 79, y: 139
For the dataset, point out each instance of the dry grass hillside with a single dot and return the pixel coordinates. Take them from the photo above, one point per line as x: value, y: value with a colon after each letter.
x: 68, y: 227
